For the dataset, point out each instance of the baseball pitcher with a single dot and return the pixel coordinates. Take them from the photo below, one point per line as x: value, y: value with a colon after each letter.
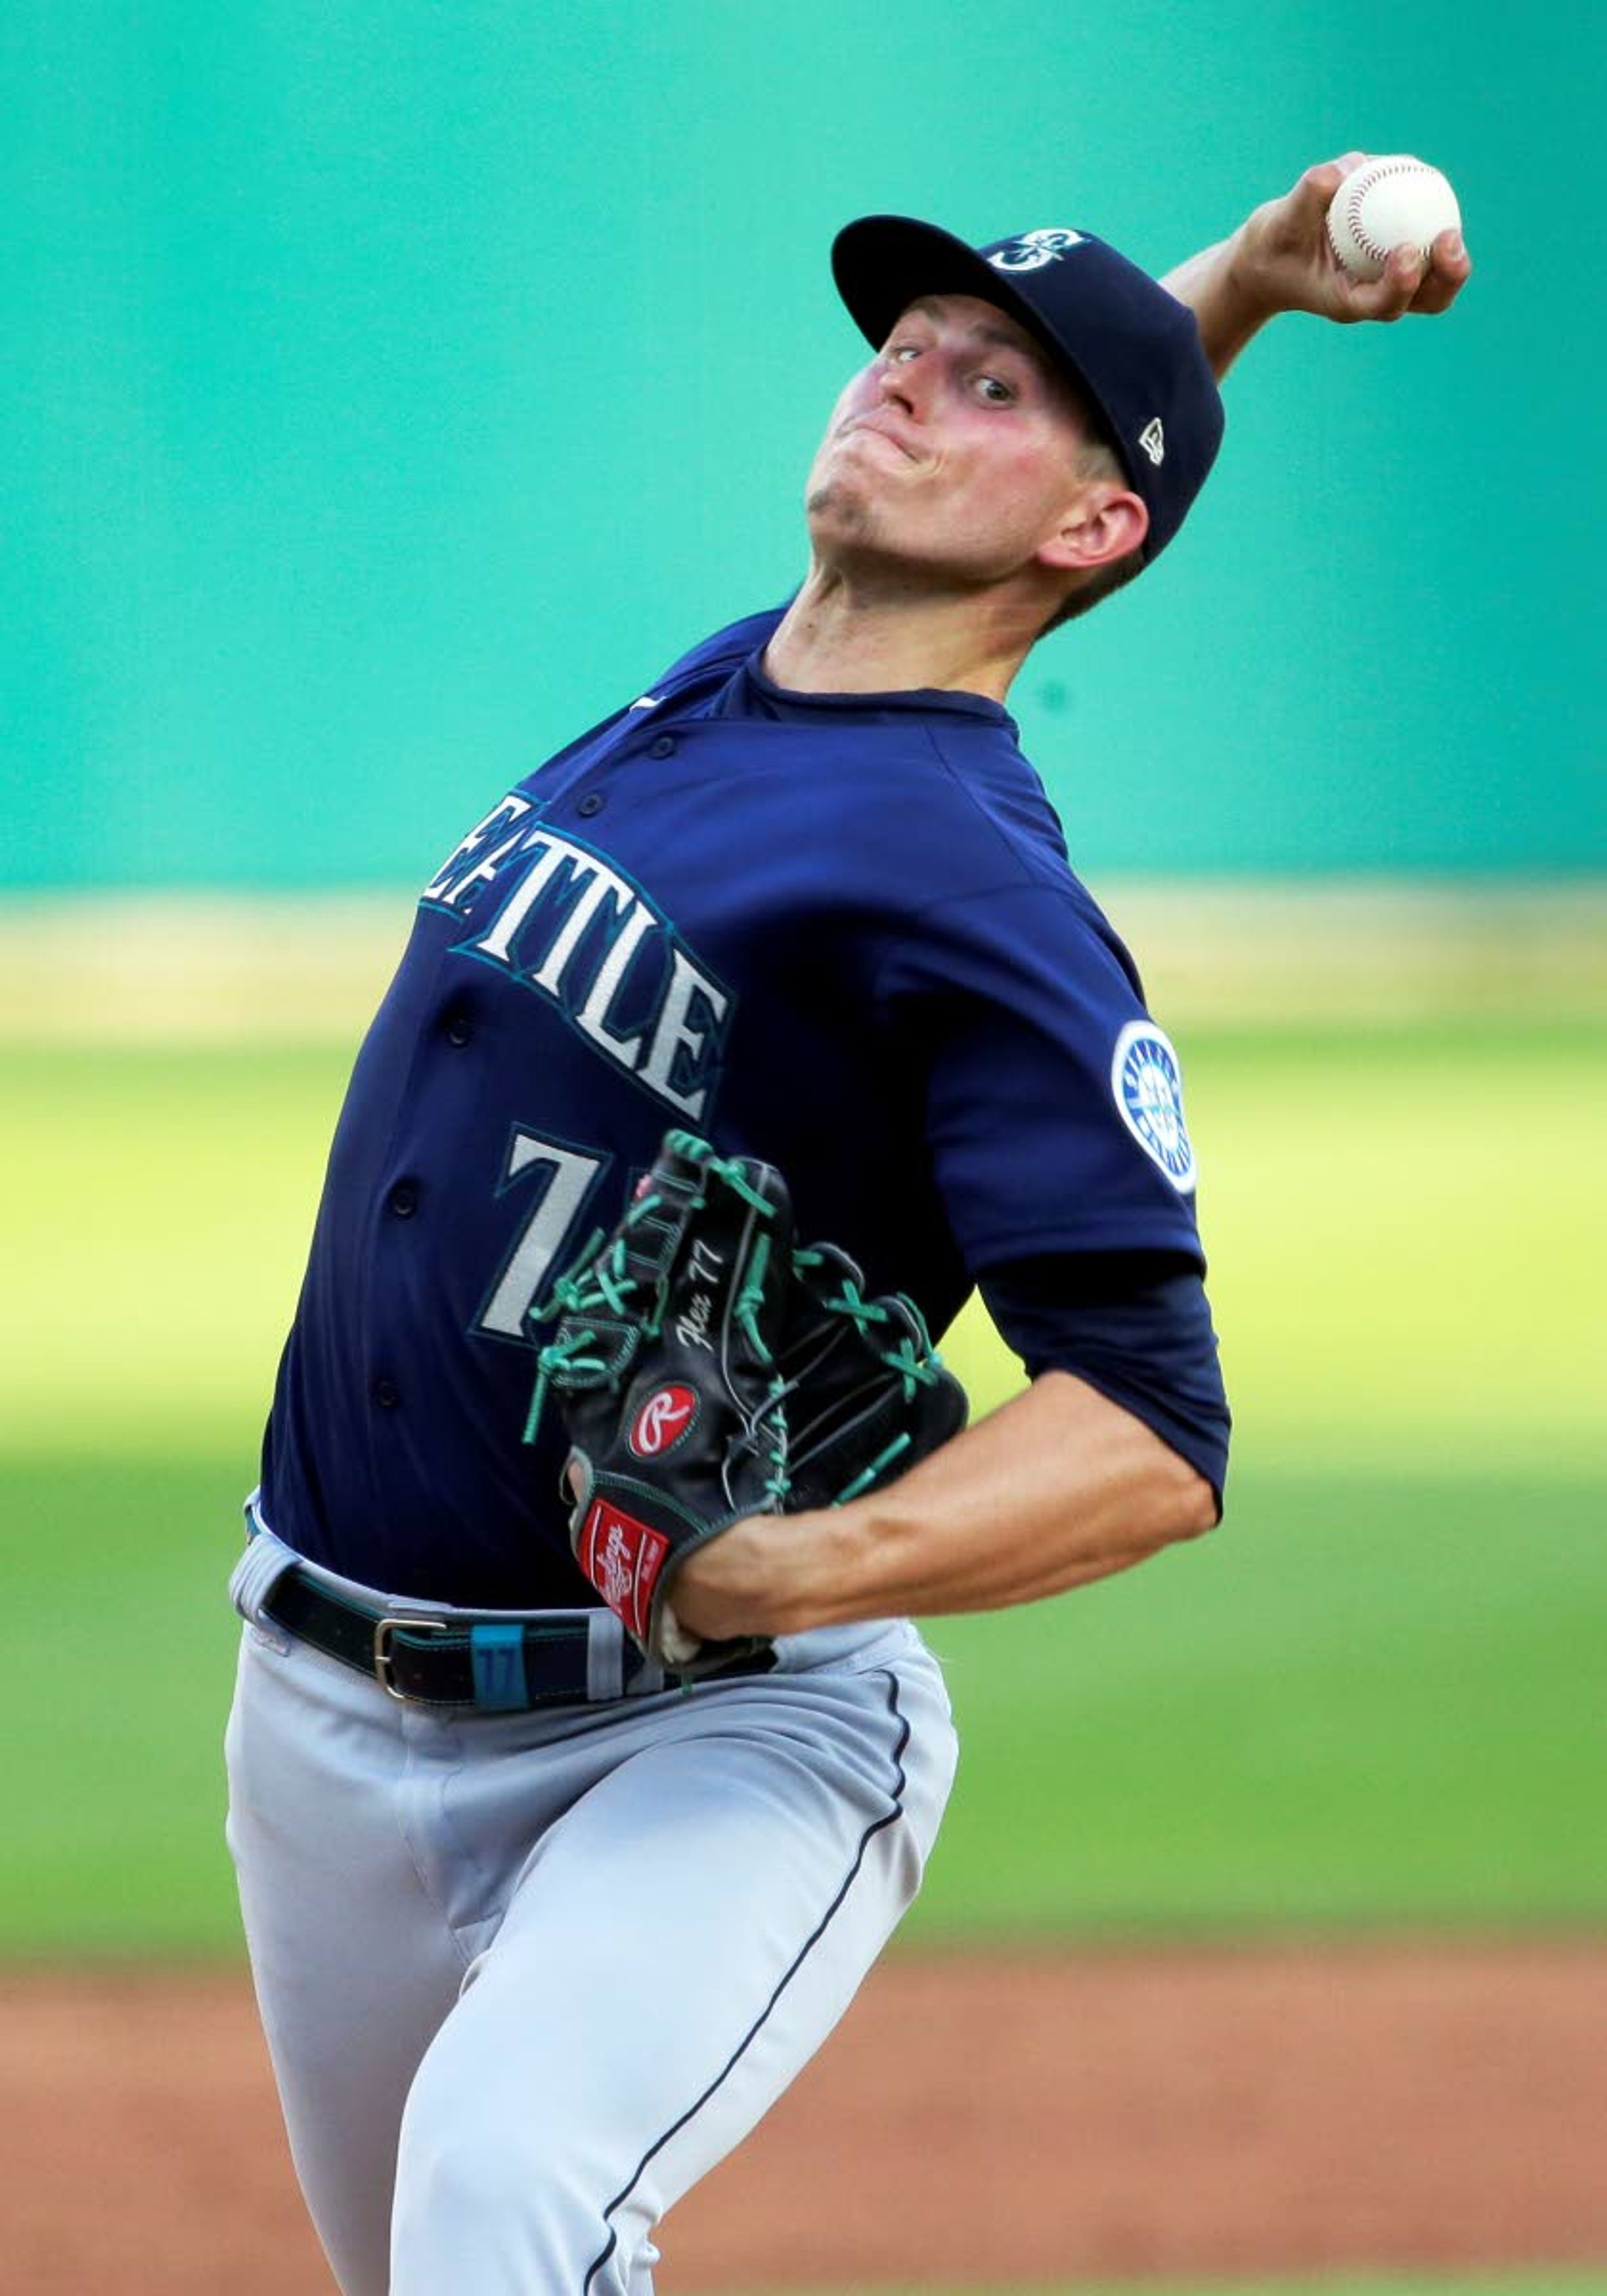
x: 582, y: 1756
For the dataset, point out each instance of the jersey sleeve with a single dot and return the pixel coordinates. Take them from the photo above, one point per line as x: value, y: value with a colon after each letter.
x: 1136, y: 1326
x: 1053, y: 1112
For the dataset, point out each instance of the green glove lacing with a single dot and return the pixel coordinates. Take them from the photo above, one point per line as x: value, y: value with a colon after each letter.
x: 750, y: 1298
x: 600, y: 1281
x: 917, y: 1366
x: 778, y: 1482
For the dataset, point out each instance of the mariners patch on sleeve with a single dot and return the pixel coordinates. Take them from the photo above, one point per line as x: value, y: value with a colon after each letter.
x: 1147, y: 1083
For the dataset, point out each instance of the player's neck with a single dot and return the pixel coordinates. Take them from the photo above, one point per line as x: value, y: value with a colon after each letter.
x: 842, y: 636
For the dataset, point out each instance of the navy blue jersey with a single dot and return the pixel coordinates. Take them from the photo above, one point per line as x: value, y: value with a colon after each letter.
x: 838, y: 932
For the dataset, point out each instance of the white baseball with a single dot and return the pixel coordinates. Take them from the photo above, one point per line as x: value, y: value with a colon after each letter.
x: 1394, y: 202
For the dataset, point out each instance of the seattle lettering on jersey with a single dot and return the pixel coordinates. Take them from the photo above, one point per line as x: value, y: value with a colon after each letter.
x: 568, y: 927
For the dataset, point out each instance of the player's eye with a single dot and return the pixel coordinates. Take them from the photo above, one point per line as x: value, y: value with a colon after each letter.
x: 900, y: 354
x: 994, y: 391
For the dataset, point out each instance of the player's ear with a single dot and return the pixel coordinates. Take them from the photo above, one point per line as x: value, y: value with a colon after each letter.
x: 1103, y: 524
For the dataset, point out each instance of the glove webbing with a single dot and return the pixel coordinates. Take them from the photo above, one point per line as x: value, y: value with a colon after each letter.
x: 916, y: 1368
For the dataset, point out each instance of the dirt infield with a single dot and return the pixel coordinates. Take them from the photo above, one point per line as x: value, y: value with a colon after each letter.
x: 1017, y: 2117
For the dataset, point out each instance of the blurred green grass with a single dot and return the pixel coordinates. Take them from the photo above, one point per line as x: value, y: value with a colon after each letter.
x: 1371, y: 1697
x: 1369, y: 1701
x: 1407, y: 1233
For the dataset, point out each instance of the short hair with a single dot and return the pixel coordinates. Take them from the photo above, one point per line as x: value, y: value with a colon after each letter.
x: 1098, y: 462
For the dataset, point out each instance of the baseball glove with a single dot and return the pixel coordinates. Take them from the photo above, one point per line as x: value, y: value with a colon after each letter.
x: 706, y: 1368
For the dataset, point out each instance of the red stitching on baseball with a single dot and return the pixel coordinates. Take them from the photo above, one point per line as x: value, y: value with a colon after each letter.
x: 1364, y: 179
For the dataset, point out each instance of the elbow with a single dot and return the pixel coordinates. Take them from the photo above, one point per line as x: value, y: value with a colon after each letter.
x: 1192, y: 1507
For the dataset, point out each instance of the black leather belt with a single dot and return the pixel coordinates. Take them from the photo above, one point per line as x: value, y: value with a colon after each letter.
x: 499, y: 1666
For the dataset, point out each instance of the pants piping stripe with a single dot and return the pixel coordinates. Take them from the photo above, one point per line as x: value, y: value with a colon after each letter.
x: 748, y: 2038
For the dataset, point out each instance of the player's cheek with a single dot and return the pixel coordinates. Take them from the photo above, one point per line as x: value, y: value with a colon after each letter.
x: 856, y: 395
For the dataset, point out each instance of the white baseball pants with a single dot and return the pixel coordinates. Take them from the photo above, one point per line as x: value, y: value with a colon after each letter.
x: 525, y: 1978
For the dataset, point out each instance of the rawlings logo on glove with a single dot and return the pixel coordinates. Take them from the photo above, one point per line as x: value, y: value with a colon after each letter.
x: 708, y: 1367
x: 662, y: 1420
x: 622, y: 1558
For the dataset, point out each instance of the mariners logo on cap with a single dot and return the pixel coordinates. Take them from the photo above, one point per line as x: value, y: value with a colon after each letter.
x: 1147, y: 1083
x: 1034, y: 249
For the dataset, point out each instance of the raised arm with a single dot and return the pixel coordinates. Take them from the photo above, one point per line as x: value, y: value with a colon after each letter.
x: 1279, y: 259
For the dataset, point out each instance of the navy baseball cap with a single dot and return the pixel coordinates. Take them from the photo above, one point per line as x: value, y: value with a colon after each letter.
x: 1129, y: 345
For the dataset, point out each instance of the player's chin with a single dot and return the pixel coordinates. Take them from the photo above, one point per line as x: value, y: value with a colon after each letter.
x: 836, y: 505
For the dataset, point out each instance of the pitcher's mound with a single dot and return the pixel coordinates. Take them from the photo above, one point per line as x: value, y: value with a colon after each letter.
x: 985, y: 2119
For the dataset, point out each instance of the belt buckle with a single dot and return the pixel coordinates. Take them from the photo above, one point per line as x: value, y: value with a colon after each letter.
x: 383, y: 1629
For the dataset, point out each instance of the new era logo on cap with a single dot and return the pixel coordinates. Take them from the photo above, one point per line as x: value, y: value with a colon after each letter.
x: 1152, y: 439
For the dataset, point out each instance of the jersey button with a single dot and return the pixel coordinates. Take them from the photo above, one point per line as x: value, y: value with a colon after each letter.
x: 664, y: 747
x: 404, y: 1200
x: 592, y: 802
x: 458, y: 1030
x: 384, y: 1393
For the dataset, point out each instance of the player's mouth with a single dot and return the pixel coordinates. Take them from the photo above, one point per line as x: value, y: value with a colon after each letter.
x: 879, y: 428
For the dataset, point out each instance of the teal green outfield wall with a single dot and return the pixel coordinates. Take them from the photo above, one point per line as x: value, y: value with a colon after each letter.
x: 389, y: 389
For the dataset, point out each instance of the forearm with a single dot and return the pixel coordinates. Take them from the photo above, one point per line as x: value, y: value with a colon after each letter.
x: 1055, y: 1490
x: 1222, y: 295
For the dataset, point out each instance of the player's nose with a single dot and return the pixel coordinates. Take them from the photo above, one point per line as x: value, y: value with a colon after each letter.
x: 905, y: 385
